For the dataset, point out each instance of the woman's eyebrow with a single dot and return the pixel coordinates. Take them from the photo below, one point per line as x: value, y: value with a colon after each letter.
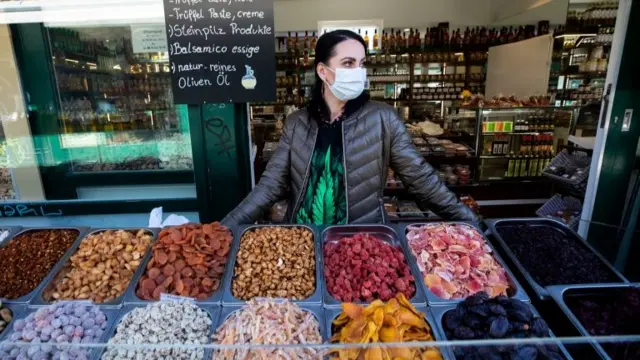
x: 348, y: 58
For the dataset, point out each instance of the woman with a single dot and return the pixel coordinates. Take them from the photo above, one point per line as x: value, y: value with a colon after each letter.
x: 334, y: 154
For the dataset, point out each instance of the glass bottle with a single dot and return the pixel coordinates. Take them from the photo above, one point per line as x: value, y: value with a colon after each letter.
x: 376, y: 40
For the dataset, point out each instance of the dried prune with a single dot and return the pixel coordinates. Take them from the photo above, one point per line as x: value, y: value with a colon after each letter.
x: 481, y: 310
x: 552, y: 257
x: 614, y: 312
x: 539, y: 327
x: 451, y: 320
x: 498, y: 310
x: 525, y: 353
x: 463, y: 333
x: 472, y: 321
x: 499, y: 327
x: 506, y: 318
x: 521, y: 316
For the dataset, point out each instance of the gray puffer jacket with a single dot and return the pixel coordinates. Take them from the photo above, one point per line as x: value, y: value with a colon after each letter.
x: 374, y: 139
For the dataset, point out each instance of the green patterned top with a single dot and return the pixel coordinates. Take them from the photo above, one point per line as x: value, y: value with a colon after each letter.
x: 325, y: 202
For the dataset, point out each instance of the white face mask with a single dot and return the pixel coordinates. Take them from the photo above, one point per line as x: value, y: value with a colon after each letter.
x: 349, y: 83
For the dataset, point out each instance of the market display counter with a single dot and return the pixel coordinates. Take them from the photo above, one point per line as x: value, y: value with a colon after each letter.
x: 423, y: 269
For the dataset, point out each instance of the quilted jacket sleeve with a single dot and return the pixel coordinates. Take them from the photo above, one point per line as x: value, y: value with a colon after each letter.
x: 420, y: 178
x: 271, y: 187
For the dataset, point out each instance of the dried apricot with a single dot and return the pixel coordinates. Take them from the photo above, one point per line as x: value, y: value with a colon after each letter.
x: 161, y: 257
x: 159, y: 290
x: 176, y: 236
x: 172, y: 257
x: 187, y: 271
x: 154, y: 272
x: 179, y: 286
x: 195, y: 260
x: 207, y: 229
x: 160, y: 279
x: 206, y: 282
x: 148, y: 284
x: 168, y: 270
x: 179, y: 265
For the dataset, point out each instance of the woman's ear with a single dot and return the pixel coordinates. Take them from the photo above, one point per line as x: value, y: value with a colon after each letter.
x: 322, y: 72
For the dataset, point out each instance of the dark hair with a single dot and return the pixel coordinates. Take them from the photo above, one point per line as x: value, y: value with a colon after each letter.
x: 325, y: 49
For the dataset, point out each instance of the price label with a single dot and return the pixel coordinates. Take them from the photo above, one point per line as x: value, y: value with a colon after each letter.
x: 176, y: 298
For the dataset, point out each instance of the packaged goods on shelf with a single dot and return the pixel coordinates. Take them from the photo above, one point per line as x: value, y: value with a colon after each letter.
x: 59, y: 323
x: 553, y: 257
x: 101, y: 268
x: 275, y: 261
x: 402, y: 322
x: 188, y: 260
x: 161, y: 323
x: 6, y: 184
x: 268, y: 321
x: 29, y: 257
x: 501, y: 101
x: 365, y: 268
x: 408, y: 208
x: 481, y: 317
x: 456, y: 261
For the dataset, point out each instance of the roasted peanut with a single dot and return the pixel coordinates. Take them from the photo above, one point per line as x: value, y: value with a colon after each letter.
x: 275, y: 262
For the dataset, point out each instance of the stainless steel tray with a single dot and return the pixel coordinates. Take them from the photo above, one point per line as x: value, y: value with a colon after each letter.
x: 38, y: 299
x: 212, y: 309
x: 27, y: 298
x: 229, y: 299
x: 382, y: 232
x: 447, y: 354
x: 132, y: 298
x: 558, y: 292
x: 515, y: 289
x: 315, y: 309
x: 539, y: 290
x: 17, y: 310
x: 110, y: 311
x: 12, y: 231
x: 439, y: 311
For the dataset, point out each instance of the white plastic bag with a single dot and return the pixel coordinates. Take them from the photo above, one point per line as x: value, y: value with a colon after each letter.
x: 155, y: 219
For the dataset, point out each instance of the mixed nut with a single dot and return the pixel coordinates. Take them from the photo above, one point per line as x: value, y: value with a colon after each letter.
x: 392, y: 322
x: 161, y: 323
x: 48, y: 328
x: 101, y: 268
x: 29, y: 257
x: 267, y: 321
x: 6, y: 315
x: 365, y: 268
x: 275, y: 261
x: 188, y: 260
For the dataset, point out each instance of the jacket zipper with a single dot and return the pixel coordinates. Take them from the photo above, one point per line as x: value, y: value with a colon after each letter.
x: 303, y: 189
x: 344, y: 173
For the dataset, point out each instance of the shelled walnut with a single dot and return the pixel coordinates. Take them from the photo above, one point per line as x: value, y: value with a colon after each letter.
x: 102, y: 266
x: 275, y: 262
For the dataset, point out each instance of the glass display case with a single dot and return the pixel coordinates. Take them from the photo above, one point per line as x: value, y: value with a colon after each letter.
x: 116, y: 103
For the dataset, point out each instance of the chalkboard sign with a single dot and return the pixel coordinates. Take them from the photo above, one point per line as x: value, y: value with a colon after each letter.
x: 221, y: 50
